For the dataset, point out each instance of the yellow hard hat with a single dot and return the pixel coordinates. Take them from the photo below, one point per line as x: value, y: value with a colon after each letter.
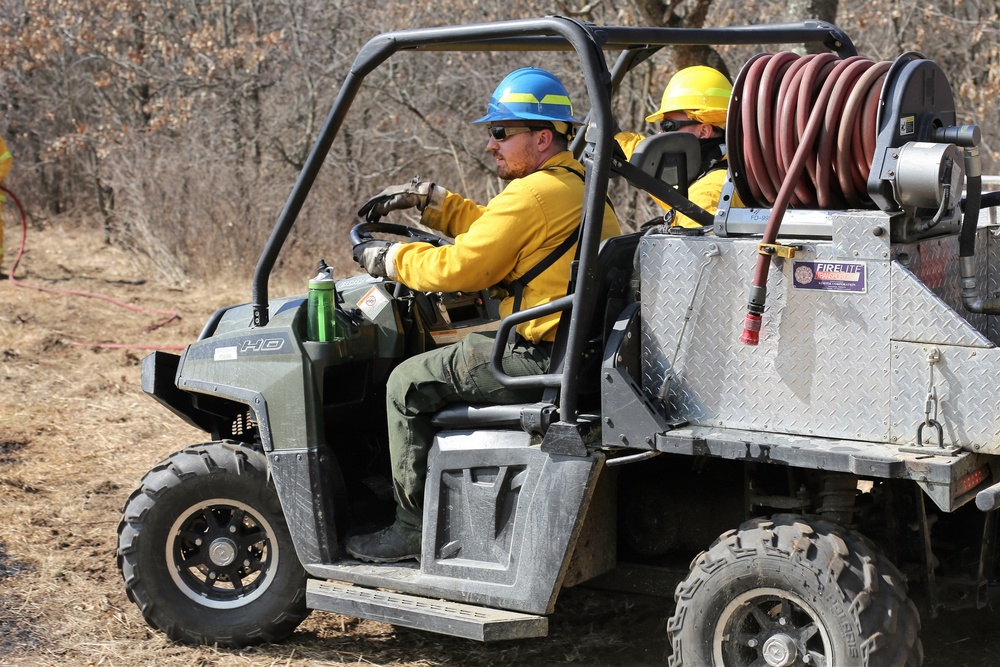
x: 702, y: 92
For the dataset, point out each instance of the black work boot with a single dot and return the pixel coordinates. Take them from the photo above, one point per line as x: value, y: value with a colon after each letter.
x: 383, y: 546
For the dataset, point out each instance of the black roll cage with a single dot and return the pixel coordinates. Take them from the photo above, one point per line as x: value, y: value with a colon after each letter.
x: 551, y: 33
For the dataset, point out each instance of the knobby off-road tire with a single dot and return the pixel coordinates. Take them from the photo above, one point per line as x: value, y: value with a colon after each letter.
x: 789, y: 591
x: 205, y: 551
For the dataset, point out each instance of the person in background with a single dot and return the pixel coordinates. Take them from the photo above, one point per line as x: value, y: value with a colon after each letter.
x: 695, y: 100
x: 6, y: 161
x: 533, y: 221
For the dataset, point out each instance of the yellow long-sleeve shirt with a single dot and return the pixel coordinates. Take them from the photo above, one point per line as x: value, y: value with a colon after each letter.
x: 505, y: 239
x: 705, y: 192
x: 5, y: 160
x: 5, y: 164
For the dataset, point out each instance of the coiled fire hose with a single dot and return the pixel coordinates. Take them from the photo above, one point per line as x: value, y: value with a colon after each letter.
x: 793, y: 114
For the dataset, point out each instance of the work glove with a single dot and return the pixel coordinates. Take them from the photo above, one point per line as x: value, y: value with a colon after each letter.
x: 416, y: 193
x: 371, y: 255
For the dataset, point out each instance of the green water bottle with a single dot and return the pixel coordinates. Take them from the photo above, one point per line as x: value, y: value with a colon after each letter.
x: 322, y: 306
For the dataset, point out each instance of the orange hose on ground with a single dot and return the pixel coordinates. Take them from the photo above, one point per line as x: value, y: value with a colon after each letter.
x: 171, y: 315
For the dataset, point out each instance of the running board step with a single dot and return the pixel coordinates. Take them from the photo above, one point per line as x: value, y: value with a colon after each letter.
x: 411, y: 611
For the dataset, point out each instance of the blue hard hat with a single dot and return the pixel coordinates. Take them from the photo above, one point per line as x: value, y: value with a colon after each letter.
x: 530, y: 93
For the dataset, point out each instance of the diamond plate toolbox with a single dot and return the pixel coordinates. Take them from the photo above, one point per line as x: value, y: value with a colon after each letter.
x: 844, y: 344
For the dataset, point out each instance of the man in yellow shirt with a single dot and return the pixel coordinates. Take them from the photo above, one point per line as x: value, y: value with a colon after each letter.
x: 5, y: 164
x: 530, y: 119
x: 695, y: 100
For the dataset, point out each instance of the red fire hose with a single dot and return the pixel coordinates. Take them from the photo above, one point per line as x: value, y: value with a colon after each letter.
x: 170, y: 315
x: 814, y: 114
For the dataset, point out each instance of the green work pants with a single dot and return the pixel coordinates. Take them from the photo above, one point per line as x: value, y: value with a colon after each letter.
x: 424, y: 384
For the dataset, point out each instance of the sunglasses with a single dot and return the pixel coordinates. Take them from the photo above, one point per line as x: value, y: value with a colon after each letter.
x: 500, y: 132
x: 670, y: 125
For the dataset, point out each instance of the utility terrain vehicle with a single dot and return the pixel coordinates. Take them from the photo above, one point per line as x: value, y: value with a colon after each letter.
x: 800, y: 401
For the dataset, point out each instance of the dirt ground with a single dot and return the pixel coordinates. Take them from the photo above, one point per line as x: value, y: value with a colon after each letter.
x: 77, y: 433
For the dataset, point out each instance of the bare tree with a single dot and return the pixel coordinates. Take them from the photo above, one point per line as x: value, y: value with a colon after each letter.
x: 182, y: 125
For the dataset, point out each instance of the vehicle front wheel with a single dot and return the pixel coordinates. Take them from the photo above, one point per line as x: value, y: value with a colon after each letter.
x: 205, y: 551
x: 792, y: 590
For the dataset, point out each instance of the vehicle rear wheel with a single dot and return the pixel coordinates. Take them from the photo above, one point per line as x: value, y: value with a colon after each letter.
x: 205, y: 551
x: 792, y: 590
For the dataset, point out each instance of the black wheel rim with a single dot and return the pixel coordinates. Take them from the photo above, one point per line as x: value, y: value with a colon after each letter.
x: 771, y: 628
x: 222, y: 554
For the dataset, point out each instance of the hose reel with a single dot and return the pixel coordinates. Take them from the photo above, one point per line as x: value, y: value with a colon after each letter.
x: 887, y: 138
x: 819, y: 132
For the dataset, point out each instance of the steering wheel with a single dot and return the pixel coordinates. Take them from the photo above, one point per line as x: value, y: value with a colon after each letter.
x: 362, y: 233
x: 429, y: 303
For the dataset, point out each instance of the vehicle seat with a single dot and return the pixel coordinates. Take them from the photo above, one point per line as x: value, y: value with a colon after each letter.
x: 671, y: 157
x: 662, y: 165
x: 615, y: 264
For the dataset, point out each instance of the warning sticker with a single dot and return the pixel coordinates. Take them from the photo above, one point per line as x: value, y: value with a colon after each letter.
x: 907, y: 125
x: 831, y: 276
x: 372, y: 303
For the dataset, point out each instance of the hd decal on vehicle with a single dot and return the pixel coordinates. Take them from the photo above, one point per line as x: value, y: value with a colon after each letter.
x: 262, y: 345
x: 231, y: 349
x: 831, y: 276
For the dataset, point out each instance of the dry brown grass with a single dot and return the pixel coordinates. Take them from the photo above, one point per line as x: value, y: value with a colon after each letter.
x: 77, y: 433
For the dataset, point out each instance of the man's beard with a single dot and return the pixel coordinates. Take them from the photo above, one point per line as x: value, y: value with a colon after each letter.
x: 518, y: 164
x: 507, y: 173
